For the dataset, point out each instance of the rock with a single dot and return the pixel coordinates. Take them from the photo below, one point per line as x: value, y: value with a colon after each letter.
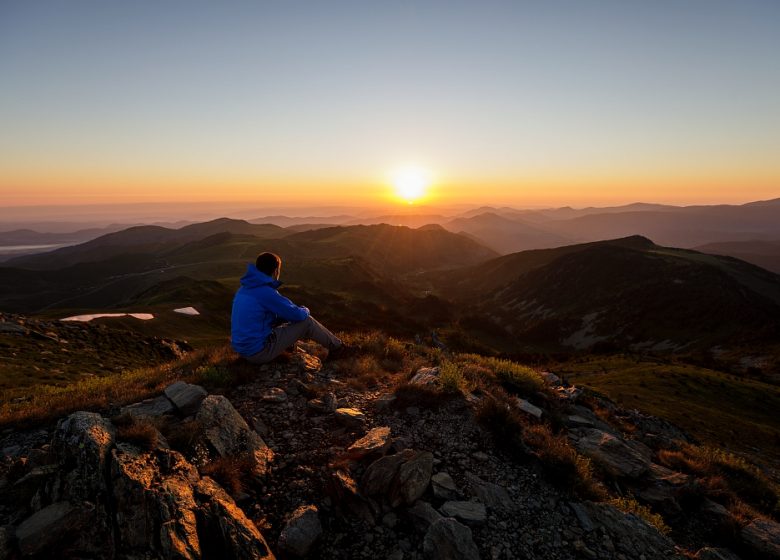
x: 443, y: 486
x: 344, y: 491
x: 481, y: 456
x: 232, y: 534
x: 493, y: 496
x: 390, y: 520
x: 301, y: 532
x: 446, y: 539
x: 715, y: 513
x: 301, y: 388
x: 12, y: 328
x: 376, y: 440
x: 528, y: 408
x: 426, y: 376
x: 149, y: 408
x: 716, y: 554
x: 661, y: 489
x: 82, y: 443
x: 351, y: 417
x: 570, y: 394
x: 582, y: 517
x: 577, y: 421
x: 629, y: 534
x: 550, y: 378
x: 325, y: 404
x: 383, y: 402
x: 380, y: 474
x: 471, y: 513
x: 413, y: 479
x: 48, y: 527
x: 5, y: 542
x: 613, y: 454
x: 275, y: 395
x: 762, y: 536
x: 153, y: 496
x: 306, y: 362
x: 423, y: 515
x: 186, y: 397
x: 226, y: 432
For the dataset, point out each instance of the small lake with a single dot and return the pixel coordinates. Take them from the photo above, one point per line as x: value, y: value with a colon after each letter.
x: 89, y: 317
x: 5, y: 249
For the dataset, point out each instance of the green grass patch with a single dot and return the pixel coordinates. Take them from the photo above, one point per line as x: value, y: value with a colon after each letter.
x: 720, y: 409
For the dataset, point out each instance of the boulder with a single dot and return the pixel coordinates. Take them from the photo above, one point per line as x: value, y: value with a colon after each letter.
x: 661, y: 489
x: 762, y: 536
x: 225, y: 528
x: 226, y: 432
x: 186, y: 397
x: 443, y: 486
x: 446, y: 539
x: 48, y: 527
x: 301, y: 532
x: 82, y: 443
x: 471, y: 513
x: 149, y: 408
x: 423, y: 515
x: 379, y: 475
x: 524, y: 406
x: 613, y: 454
x: 153, y: 496
x: 412, y: 479
x: 493, y: 496
x: 351, y: 417
x: 376, y: 440
x: 631, y: 535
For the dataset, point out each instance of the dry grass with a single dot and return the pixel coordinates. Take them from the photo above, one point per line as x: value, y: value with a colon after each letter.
x: 515, y: 378
x: 140, y: 433
x: 630, y: 505
x: 230, y: 472
x: 504, y: 422
x: 182, y: 436
x: 408, y: 394
x: 23, y: 409
x: 726, y: 478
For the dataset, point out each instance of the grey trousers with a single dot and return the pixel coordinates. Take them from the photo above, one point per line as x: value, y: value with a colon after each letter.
x: 284, y: 336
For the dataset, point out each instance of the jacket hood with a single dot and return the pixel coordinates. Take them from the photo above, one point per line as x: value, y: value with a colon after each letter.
x: 254, y: 278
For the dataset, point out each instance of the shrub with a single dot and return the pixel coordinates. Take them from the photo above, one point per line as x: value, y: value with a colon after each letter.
x: 630, y: 505
x: 453, y: 379
x: 229, y: 472
x: 141, y: 433
x: 504, y: 422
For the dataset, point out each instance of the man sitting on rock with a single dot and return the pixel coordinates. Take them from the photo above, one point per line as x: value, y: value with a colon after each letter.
x: 264, y: 323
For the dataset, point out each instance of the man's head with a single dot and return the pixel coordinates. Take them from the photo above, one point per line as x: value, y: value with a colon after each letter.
x: 270, y: 264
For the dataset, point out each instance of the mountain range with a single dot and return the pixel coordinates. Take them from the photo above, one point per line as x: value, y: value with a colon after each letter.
x: 626, y: 293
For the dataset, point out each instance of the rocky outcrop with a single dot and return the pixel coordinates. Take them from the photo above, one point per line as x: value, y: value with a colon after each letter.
x: 613, y: 454
x: 227, y: 434
x: 91, y: 495
x: 762, y: 537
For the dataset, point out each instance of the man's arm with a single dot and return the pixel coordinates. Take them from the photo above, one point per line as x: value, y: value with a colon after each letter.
x: 284, y: 308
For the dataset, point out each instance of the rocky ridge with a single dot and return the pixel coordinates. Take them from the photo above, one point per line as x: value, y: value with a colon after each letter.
x: 323, y: 469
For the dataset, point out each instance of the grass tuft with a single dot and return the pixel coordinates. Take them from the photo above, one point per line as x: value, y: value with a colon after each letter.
x: 630, y: 505
x: 140, y: 433
x: 230, y: 472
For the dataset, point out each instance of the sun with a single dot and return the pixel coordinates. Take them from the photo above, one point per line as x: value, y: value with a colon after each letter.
x: 411, y: 182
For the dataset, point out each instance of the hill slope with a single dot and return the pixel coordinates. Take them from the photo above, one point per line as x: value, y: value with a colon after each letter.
x: 628, y: 291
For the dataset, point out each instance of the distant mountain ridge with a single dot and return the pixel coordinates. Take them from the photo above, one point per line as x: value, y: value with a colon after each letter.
x: 628, y: 291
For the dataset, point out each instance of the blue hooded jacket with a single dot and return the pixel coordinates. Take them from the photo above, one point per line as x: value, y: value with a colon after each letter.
x: 256, y: 306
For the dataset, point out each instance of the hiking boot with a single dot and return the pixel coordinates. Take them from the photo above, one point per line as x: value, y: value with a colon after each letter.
x: 341, y: 352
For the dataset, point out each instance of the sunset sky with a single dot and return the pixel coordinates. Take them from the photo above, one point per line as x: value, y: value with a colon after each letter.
x: 523, y: 103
